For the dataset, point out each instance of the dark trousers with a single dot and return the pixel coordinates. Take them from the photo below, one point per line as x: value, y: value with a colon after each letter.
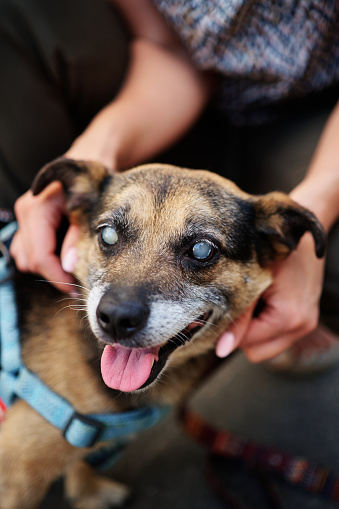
x: 60, y: 63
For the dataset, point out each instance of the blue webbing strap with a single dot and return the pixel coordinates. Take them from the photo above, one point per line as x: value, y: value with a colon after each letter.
x: 10, y: 355
x: 81, y: 430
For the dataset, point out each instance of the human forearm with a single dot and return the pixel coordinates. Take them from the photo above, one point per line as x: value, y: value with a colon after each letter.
x: 319, y: 191
x: 161, y: 98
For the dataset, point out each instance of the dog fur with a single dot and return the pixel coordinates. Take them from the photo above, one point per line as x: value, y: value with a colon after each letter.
x: 160, y: 214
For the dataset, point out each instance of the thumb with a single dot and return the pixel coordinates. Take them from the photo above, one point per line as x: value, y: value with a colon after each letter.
x: 231, y: 339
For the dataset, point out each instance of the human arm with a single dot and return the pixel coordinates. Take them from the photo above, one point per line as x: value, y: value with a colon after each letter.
x: 292, y: 302
x: 161, y: 98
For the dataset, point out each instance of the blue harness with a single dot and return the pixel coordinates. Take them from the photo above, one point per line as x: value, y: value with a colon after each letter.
x: 16, y: 381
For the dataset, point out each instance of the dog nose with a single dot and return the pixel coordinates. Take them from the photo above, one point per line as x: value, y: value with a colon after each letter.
x: 121, y: 319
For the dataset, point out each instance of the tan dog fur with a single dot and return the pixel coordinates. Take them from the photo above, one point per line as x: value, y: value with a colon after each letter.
x: 163, y: 206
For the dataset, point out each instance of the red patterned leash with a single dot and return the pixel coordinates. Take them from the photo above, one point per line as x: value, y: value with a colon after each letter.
x: 298, y: 471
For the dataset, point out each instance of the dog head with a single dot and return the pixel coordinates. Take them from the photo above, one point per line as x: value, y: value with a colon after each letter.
x: 170, y: 257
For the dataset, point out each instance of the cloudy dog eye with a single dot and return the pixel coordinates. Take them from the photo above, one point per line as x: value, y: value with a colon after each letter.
x: 203, y: 251
x: 108, y: 235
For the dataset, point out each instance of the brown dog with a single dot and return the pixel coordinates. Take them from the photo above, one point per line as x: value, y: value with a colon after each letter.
x: 168, y: 257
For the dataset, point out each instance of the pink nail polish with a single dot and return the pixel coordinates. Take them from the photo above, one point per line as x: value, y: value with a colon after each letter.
x: 225, y: 345
x: 69, y: 260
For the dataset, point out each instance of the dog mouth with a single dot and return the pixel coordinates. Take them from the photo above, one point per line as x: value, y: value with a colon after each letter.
x: 131, y: 369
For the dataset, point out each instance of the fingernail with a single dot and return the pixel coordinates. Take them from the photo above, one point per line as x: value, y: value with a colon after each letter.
x: 225, y: 345
x: 69, y: 260
x: 74, y: 294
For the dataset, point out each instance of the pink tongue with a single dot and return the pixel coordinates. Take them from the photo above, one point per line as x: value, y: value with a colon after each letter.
x: 127, y: 369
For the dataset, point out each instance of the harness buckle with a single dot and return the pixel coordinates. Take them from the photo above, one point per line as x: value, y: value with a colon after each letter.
x: 8, y: 383
x: 82, y: 431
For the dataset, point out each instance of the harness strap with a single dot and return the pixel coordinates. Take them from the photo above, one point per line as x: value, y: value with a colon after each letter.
x: 16, y: 381
x: 78, y: 429
x: 10, y: 350
x: 10, y: 354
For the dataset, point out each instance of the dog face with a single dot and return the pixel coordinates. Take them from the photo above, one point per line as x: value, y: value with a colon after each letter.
x: 170, y: 257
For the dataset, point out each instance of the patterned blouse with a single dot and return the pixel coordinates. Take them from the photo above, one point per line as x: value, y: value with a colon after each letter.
x: 265, y: 51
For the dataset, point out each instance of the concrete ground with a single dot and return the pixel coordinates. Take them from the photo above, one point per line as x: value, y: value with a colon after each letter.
x: 299, y: 415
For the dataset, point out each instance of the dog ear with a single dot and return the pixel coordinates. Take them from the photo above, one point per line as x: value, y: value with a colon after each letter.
x: 279, y: 225
x: 82, y: 181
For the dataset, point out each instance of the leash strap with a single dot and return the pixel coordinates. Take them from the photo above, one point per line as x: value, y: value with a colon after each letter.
x: 16, y: 381
x: 296, y: 470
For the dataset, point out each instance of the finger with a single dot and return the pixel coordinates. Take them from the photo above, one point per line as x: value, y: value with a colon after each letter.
x: 69, y: 255
x: 226, y: 344
x: 52, y: 190
x: 264, y: 351
x: 267, y: 326
x: 234, y: 335
x: 273, y: 324
x: 51, y: 270
x: 19, y: 255
x: 49, y: 265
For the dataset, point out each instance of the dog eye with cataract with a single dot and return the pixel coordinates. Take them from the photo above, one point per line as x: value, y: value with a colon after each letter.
x: 203, y: 251
x: 108, y: 236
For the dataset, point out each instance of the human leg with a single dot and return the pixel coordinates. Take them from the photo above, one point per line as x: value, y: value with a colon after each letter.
x: 61, y: 63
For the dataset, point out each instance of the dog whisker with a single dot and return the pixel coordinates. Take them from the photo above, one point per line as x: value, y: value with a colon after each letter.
x: 83, y: 283
x: 63, y: 283
x: 72, y: 298
x: 73, y: 307
x: 205, y: 322
x: 79, y: 311
x: 81, y: 321
x: 60, y: 310
x: 183, y: 338
x: 172, y: 341
x: 162, y: 378
x: 208, y: 325
x: 217, y: 334
x: 188, y: 343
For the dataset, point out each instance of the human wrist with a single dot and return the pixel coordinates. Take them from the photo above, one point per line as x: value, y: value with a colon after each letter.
x: 319, y: 197
x: 91, y: 147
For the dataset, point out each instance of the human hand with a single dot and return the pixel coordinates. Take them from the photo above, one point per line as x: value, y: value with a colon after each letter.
x: 291, y: 308
x: 33, y: 246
